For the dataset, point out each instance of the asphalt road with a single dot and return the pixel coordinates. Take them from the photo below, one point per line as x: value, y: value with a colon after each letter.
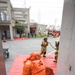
x: 24, y: 47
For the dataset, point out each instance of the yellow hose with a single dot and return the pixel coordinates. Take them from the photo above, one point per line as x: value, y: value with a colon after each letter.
x: 51, y: 45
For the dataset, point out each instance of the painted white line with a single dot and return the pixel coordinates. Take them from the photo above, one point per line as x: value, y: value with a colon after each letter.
x: 51, y: 52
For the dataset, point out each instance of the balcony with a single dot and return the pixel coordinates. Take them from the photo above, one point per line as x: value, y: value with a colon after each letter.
x: 5, y: 22
x: 4, y: 19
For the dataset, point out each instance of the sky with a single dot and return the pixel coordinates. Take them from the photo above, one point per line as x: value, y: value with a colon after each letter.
x: 42, y: 11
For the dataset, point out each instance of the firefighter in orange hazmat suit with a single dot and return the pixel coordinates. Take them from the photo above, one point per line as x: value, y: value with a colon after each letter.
x: 34, y: 66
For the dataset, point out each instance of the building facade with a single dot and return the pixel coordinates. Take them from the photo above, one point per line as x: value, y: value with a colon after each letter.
x: 8, y: 16
x: 37, y: 28
x: 22, y: 15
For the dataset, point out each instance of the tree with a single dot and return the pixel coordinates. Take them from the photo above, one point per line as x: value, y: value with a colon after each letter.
x: 17, y: 22
x: 19, y: 28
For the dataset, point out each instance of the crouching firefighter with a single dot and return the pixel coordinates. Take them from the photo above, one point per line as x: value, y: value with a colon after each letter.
x: 57, y: 49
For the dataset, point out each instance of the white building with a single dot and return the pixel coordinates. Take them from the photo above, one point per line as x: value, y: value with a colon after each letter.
x: 35, y: 27
x: 8, y: 15
x: 22, y: 15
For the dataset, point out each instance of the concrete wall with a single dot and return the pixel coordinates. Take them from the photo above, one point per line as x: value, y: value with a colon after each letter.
x: 66, y: 58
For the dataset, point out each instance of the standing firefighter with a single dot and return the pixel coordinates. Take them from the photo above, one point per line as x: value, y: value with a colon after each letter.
x: 44, y: 46
x: 57, y: 49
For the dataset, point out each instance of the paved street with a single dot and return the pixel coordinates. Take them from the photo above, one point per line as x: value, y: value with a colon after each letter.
x: 24, y: 47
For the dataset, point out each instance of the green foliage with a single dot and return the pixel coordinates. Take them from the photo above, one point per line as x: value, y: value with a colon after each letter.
x: 40, y: 36
x: 17, y: 22
x: 20, y: 29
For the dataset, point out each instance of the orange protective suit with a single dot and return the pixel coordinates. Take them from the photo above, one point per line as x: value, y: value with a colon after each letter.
x: 49, y: 71
x: 34, y: 66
